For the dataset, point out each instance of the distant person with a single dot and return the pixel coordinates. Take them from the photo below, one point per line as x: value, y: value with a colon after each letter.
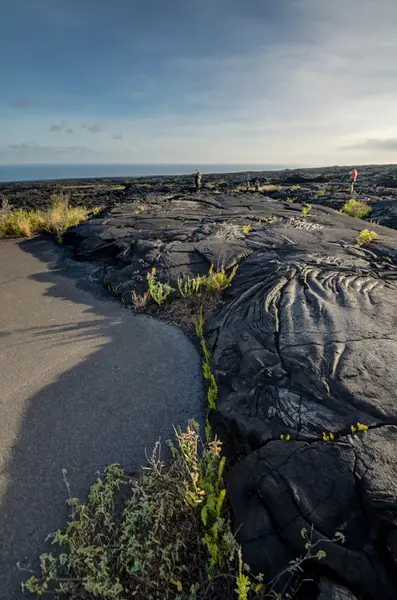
x: 257, y: 184
x: 353, y: 178
x: 197, y: 180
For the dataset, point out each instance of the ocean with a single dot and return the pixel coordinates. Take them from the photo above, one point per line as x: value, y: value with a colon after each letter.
x: 42, y: 172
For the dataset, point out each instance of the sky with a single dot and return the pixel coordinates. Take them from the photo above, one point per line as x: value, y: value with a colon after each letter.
x: 305, y: 82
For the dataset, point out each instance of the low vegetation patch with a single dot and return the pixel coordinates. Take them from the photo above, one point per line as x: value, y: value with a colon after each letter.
x: 55, y: 220
x: 356, y: 208
x: 366, y: 236
x: 306, y: 209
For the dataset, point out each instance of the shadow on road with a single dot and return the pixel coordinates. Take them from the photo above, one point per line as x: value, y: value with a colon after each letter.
x: 133, y: 378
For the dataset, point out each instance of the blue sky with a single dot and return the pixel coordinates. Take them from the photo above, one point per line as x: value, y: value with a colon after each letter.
x: 255, y: 81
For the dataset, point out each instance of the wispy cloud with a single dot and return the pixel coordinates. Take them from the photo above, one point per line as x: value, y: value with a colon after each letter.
x: 94, y: 128
x: 22, y: 146
x: 59, y: 126
x: 22, y: 103
x: 118, y: 136
x: 374, y: 144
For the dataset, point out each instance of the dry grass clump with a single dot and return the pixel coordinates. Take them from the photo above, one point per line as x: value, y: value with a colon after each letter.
x: 21, y: 222
x: 61, y: 216
x: 56, y: 220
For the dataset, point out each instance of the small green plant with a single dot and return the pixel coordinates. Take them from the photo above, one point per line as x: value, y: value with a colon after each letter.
x: 356, y: 208
x: 286, y: 437
x: 366, y: 236
x: 306, y: 209
x: 190, y: 286
x: 217, y: 281
x: 321, y: 193
x: 246, y: 228
x: 296, y: 186
x: 290, y: 200
x: 138, y: 211
x: 358, y: 427
x: 158, y: 291
x: 328, y: 437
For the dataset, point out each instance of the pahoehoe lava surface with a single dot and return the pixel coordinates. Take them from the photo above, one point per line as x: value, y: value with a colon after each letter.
x: 304, y: 343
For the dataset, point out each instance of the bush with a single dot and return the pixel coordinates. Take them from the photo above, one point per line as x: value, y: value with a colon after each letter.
x: 366, y: 236
x: 170, y: 533
x: 356, y: 208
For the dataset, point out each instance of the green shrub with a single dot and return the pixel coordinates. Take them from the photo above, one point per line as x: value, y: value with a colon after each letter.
x: 306, y: 209
x: 366, y: 236
x: 356, y: 208
x: 170, y: 533
x: 246, y: 228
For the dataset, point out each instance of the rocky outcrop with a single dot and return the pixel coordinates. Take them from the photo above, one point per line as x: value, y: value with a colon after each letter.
x: 304, y: 346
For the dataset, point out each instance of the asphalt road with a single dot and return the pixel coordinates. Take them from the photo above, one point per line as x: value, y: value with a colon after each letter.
x: 83, y: 383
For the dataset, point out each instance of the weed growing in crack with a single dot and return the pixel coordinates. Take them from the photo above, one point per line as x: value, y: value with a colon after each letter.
x: 212, y: 392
